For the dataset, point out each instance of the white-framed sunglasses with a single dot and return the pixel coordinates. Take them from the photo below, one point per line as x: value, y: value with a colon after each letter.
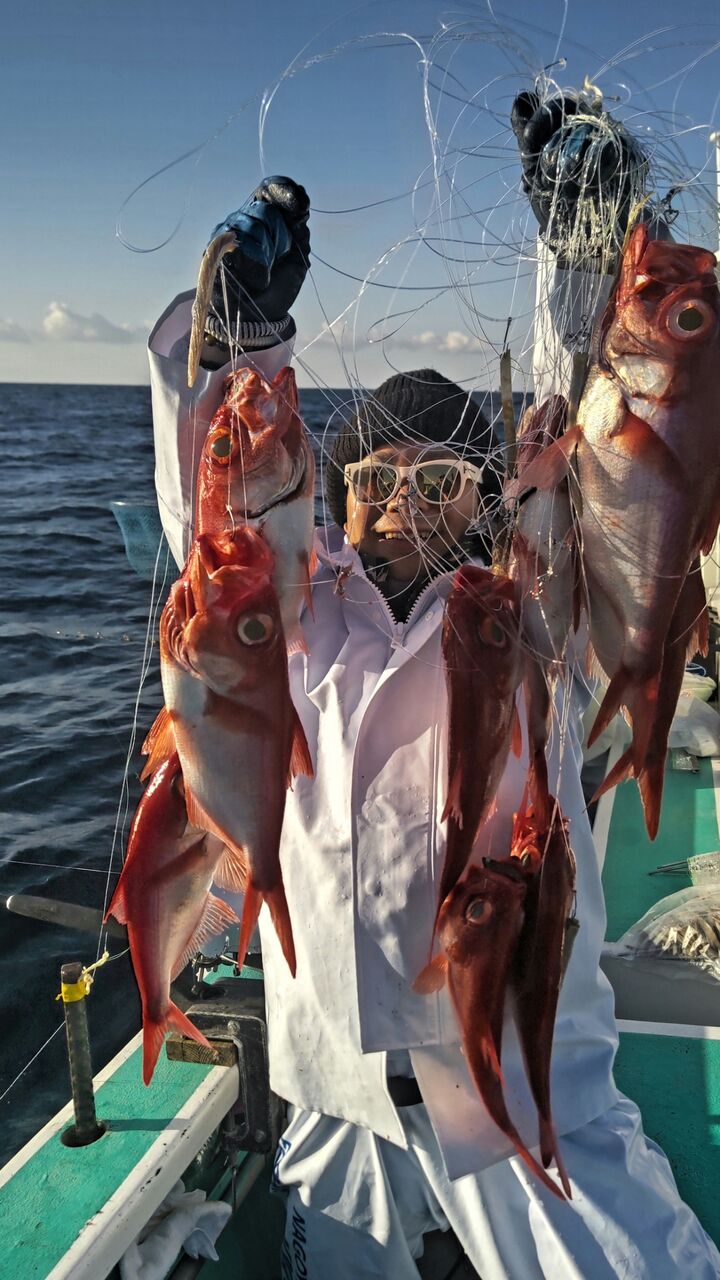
x: 435, y: 480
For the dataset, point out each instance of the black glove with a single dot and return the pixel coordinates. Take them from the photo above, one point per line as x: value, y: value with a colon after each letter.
x: 582, y: 172
x: 262, y: 277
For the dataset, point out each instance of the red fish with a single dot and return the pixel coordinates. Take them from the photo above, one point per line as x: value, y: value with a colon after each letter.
x: 479, y: 925
x: 257, y: 467
x: 482, y: 655
x: 164, y: 898
x: 543, y: 564
x: 549, y: 869
x: 225, y: 680
x: 646, y: 457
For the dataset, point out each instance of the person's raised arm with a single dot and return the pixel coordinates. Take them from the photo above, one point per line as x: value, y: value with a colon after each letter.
x: 242, y: 321
x: 584, y: 176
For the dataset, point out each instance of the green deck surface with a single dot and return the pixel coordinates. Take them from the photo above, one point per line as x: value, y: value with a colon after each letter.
x: 49, y: 1200
x: 688, y: 826
x: 675, y: 1080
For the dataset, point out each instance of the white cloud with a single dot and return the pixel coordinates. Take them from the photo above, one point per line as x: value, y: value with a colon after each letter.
x: 11, y: 332
x: 60, y: 324
x: 454, y: 340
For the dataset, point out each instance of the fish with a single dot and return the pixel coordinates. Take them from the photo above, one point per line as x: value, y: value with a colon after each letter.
x: 481, y: 650
x: 224, y: 672
x: 163, y: 896
x: 645, y: 457
x: 479, y: 925
x: 689, y: 634
x: 257, y: 467
x: 543, y: 564
x: 548, y: 866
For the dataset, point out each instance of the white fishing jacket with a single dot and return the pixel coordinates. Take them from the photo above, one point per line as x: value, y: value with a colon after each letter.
x: 363, y: 843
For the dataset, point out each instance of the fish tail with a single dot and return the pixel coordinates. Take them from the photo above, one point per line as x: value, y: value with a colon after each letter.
x: 154, y: 1035
x: 650, y: 782
x: 277, y: 902
x: 621, y: 770
x: 640, y: 697
x: 251, y: 911
x: 549, y: 1151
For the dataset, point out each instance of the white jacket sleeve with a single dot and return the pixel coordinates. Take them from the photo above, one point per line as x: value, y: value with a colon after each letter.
x: 182, y: 415
x: 567, y: 304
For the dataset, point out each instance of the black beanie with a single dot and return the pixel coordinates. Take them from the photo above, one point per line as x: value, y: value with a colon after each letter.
x: 420, y: 407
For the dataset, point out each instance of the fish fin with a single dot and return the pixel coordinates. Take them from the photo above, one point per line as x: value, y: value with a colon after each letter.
x: 117, y: 907
x: 159, y: 743
x: 593, y: 665
x: 549, y: 1151
x: 433, y: 977
x: 277, y: 904
x: 548, y: 469
x: 638, y: 440
x: 217, y: 916
x: 296, y: 642
x: 651, y: 780
x: 539, y: 789
x: 313, y: 562
x: 452, y: 804
x: 251, y: 911
x: 307, y: 573
x: 300, y: 758
x: 516, y: 739
x: 197, y: 816
x: 710, y: 532
x: 232, y: 870
x: 621, y: 770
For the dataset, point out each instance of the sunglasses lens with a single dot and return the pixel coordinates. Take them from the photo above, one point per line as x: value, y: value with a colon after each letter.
x: 374, y: 483
x: 438, y: 481
x: 385, y: 481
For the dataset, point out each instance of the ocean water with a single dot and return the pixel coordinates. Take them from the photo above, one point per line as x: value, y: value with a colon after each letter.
x: 74, y: 627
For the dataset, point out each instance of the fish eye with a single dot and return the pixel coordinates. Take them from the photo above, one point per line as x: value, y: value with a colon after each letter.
x: 478, y: 911
x: 222, y: 446
x: 255, y: 628
x: 689, y: 319
x: 492, y: 633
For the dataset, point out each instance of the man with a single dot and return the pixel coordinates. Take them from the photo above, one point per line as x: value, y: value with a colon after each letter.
x: 387, y: 1138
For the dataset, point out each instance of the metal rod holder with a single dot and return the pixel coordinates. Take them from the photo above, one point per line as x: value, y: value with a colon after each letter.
x: 74, y: 993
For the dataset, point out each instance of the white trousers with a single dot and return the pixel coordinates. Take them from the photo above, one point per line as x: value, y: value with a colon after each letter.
x: 358, y: 1206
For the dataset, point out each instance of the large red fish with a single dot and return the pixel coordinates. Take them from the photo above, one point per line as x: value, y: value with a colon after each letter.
x: 164, y: 898
x: 482, y: 655
x: 646, y: 456
x: 479, y: 926
x: 225, y: 680
x: 257, y: 468
x: 549, y: 869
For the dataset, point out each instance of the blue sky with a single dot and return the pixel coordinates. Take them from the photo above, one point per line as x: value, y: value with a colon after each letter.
x: 98, y: 97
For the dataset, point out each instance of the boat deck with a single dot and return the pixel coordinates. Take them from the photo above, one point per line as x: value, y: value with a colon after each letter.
x: 672, y: 1071
x: 71, y: 1213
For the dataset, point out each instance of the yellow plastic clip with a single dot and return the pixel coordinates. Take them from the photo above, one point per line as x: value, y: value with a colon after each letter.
x: 71, y: 991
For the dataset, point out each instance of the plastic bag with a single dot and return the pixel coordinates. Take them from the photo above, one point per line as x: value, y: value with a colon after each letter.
x: 683, y: 926
x: 695, y: 727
